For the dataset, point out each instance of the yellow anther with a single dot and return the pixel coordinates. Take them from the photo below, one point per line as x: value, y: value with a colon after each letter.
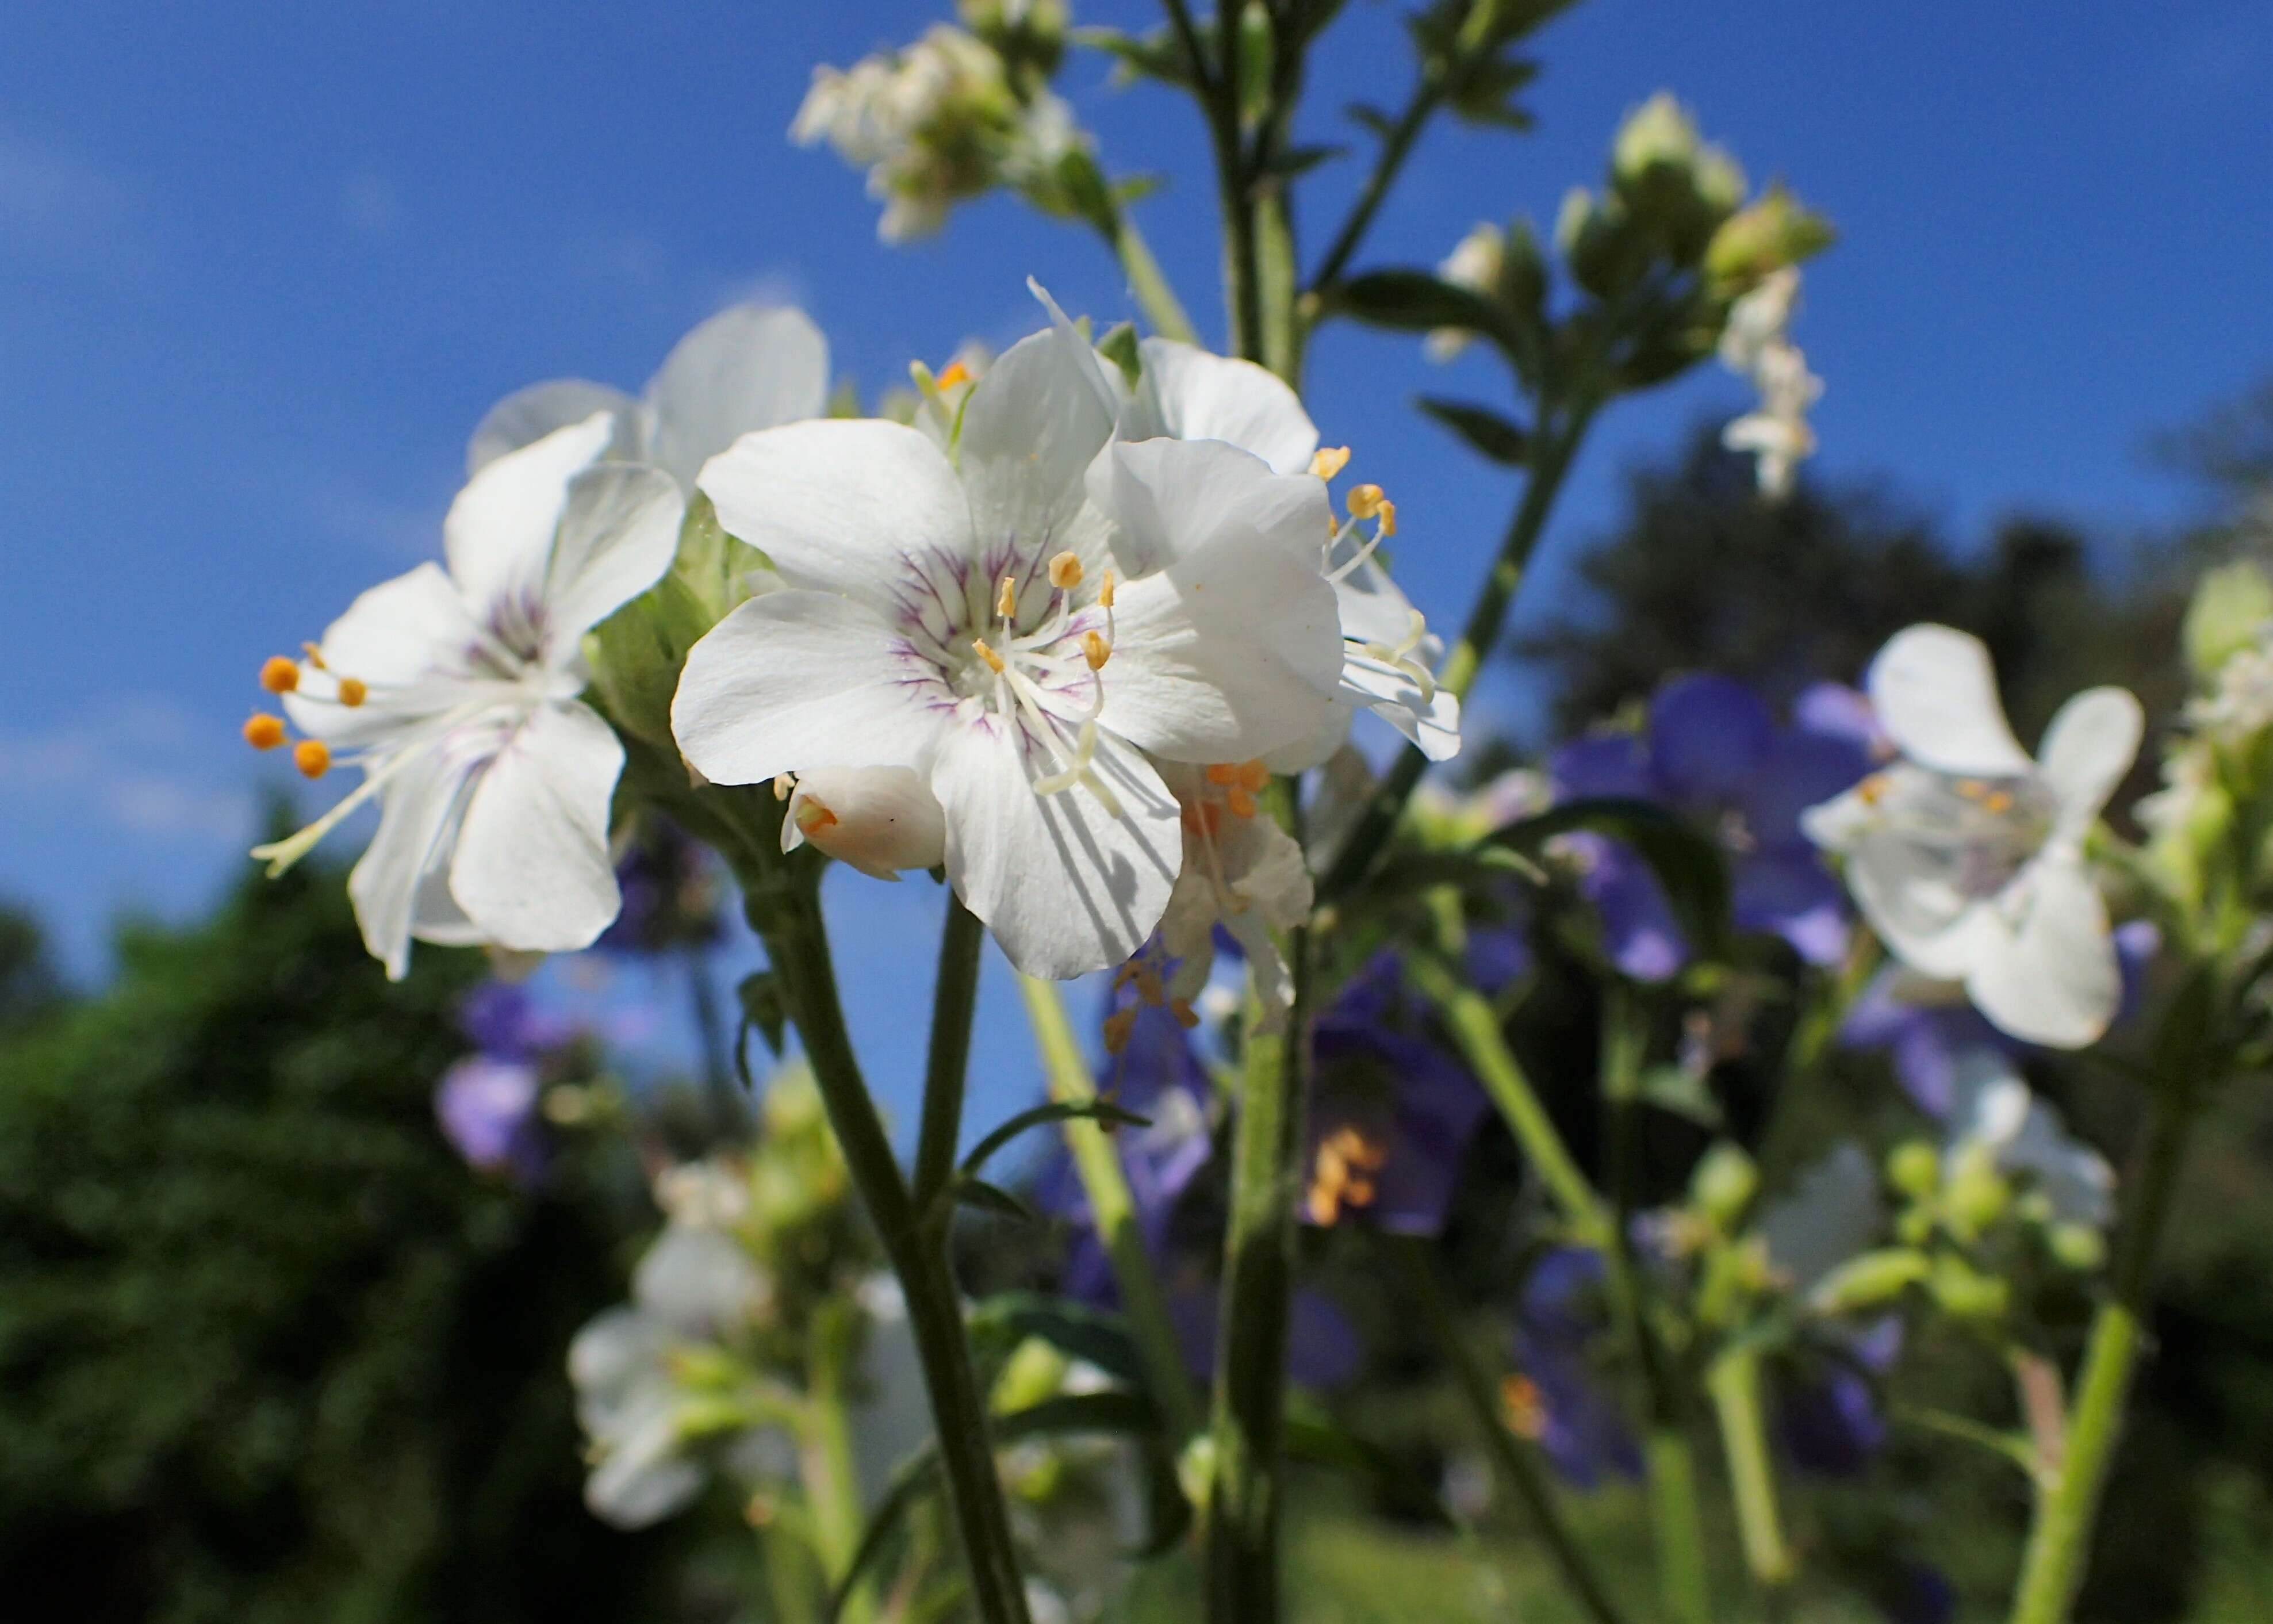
x: 312, y: 757
x: 264, y: 732
x: 1972, y: 789
x: 1095, y: 649
x: 353, y: 691
x: 1872, y: 789
x: 1387, y: 514
x: 1364, y: 500
x: 1006, y: 599
x: 1527, y: 1410
x: 993, y: 660
x: 315, y: 656
x: 1997, y: 800
x: 1117, y: 1028
x: 1327, y: 461
x: 1065, y: 571
x: 279, y: 674
x: 953, y: 373
x: 1104, y: 588
x: 783, y: 784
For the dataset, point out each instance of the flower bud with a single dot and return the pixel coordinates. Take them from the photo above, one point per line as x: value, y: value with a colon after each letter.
x: 1773, y: 231
x: 2230, y: 610
x: 1658, y: 134
x: 1599, y: 243
x: 1963, y: 1291
x: 1913, y: 1169
x: 1675, y: 187
x: 2077, y: 1247
x: 878, y: 819
x: 1724, y: 1184
x: 1868, y: 1281
x: 1976, y: 1194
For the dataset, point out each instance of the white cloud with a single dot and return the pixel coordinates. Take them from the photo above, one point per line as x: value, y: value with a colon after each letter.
x: 145, y: 766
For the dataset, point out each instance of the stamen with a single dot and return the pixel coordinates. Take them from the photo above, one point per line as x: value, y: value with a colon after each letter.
x: 264, y: 732
x: 312, y: 757
x: 1872, y: 789
x: 315, y: 656
x: 953, y: 373
x: 1117, y: 1027
x: 1095, y: 649
x: 1006, y: 599
x: 993, y: 660
x: 1186, y: 1016
x: 1363, y: 500
x: 280, y: 674
x: 784, y: 782
x: 353, y: 691
x: 1997, y: 801
x: 1387, y: 514
x: 1327, y: 461
x: 1105, y: 590
x: 1241, y: 802
x: 1223, y: 772
x: 1065, y: 571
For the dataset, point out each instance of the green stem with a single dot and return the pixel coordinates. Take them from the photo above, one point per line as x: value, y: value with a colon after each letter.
x: 2059, y: 1541
x: 1517, y: 1461
x: 1671, y: 1468
x: 1395, y: 147
x: 1734, y: 1382
x: 1553, y: 455
x: 1114, y: 1210
x: 787, y: 918
x: 1244, y: 1502
x: 1148, y: 281
x: 962, y: 940
x: 831, y: 1481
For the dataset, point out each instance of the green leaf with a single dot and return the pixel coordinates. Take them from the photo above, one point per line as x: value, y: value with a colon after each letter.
x: 1041, y: 1116
x: 760, y: 998
x: 1319, y: 1441
x: 1414, y: 301
x: 1119, y: 346
x: 1371, y: 117
x: 1483, y: 429
x: 1160, y: 55
x: 1689, y: 866
x: 1300, y: 160
x: 1102, y: 1339
x: 977, y: 1192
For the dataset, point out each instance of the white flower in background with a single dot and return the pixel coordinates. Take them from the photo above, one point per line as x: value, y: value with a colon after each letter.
x: 1754, y: 343
x: 1388, y: 656
x: 1968, y: 857
x: 933, y: 123
x: 1996, y: 1113
x: 936, y: 405
x: 750, y: 366
x: 455, y: 692
x: 1018, y: 645
x: 1832, y: 1213
x: 1241, y: 871
x: 1475, y: 263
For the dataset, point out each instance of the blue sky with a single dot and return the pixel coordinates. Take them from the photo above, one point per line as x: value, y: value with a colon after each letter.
x: 262, y: 266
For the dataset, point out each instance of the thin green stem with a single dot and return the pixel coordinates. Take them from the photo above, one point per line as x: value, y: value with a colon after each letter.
x: 787, y: 918
x: 1517, y: 1459
x: 1734, y: 1382
x: 1113, y: 1209
x: 2059, y: 1540
x: 831, y: 1481
x: 1487, y: 618
x: 1669, y: 1468
x: 963, y: 940
x: 1396, y: 145
x: 1245, y: 1500
x: 1148, y: 283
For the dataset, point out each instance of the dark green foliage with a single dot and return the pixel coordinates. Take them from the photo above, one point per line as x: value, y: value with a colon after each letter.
x: 267, y: 1350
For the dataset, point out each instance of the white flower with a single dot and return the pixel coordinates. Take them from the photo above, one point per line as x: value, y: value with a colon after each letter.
x: 750, y: 366
x: 456, y: 694
x: 1754, y: 343
x: 1388, y: 656
x: 1832, y: 1213
x: 878, y: 819
x: 1475, y: 263
x: 1019, y: 629
x: 1241, y: 871
x: 1995, y: 1110
x: 1968, y: 857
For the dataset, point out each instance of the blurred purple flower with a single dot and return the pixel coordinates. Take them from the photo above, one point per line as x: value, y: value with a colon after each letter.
x: 505, y: 1022
x: 1557, y: 1398
x: 1713, y: 753
x: 1390, y: 1114
x: 1497, y: 957
x: 1828, y: 1414
x: 487, y: 1108
x: 670, y: 894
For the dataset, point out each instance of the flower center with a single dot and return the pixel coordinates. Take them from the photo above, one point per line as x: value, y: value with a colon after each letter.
x: 1344, y: 1172
x: 1983, y: 830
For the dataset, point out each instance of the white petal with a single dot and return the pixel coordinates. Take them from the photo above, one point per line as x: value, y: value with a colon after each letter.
x: 1030, y: 430
x: 1906, y: 890
x: 532, y: 868
x: 1430, y: 720
x: 795, y: 682
x: 1065, y: 888
x: 1315, y: 747
x: 528, y: 415
x: 1935, y: 693
x: 2087, y: 750
x: 618, y: 535
x: 396, y: 637
x: 1187, y: 394
x: 839, y: 505
x: 699, y: 1281
x: 2055, y: 981
x: 499, y: 532
x: 878, y: 819
x: 749, y: 367
x: 641, y: 1478
x: 419, y: 816
x: 1234, y: 649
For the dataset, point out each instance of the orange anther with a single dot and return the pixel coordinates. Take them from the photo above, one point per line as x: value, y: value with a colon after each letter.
x: 1117, y: 1028
x: 1223, y: 772
x: 353, y: 691
x: 1186, y: 1017
x: 280, y: 674
x: 1253, y: 775
x: 264, y: 732
x: 953, y: 373
x: 1241, y: 804
x: 1065, y: 571
x: 312, y: 757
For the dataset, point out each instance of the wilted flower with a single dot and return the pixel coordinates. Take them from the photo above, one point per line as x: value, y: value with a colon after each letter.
x: 457, y: 694
x: 1713, y: 752
x: 957, y: 620
x: 1241, y: 872
x: 750, y: 366
x: 1968, y: 857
